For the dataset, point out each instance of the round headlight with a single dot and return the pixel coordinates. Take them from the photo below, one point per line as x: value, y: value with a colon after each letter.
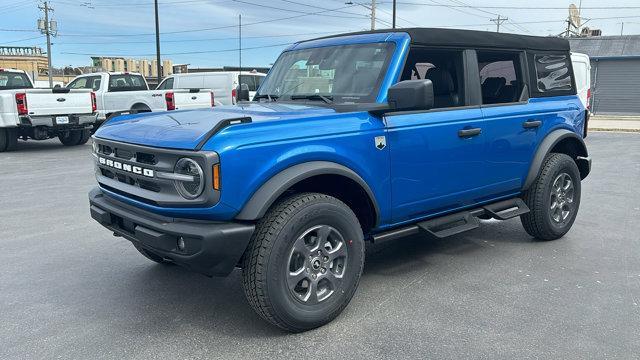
x: 189, y: 189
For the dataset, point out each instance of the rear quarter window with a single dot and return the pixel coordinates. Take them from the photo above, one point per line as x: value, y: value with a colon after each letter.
x: 552, y: 75
x: 126, y: 82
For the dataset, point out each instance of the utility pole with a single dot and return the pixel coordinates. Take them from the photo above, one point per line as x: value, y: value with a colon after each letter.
x: 499, y: 21
x: 393, y: 22
x: 622, y: 28
x: 240, y: 44
x: 373, y: 14
x: 158, y: 63
x: 48, y: 28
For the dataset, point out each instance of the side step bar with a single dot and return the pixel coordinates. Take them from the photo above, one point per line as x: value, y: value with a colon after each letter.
x: 459, y: 222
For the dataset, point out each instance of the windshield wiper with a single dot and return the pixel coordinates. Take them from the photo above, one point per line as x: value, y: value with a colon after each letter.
x: 326, y: 98
x: 265, y: 96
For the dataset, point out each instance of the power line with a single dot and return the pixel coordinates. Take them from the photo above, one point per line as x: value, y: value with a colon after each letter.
x: 434, y: 4
x: 190, y: 52
x: 20, y: 40
x: 215, y: 28
x: 200, y: 40
x: 295, y: 11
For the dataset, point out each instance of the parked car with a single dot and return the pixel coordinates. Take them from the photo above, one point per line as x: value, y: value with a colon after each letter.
x: 118, y: 92
x: 224, y: 84
x: 41, y: 114
x: 582, y: 74
x: 358, y: 137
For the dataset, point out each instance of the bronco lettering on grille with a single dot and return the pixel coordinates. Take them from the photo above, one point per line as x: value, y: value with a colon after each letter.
x: 126, y: 167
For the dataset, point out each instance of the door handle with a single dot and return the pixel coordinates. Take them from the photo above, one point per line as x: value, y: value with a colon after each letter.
x: 530, y: 124
x: 469, y: 132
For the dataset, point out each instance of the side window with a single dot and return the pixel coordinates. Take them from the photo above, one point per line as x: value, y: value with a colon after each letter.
x: 88, y: 82
x: 501, y: 77
x: 249, y: 80
x: 78, y: 83
x: 167, y: 84
x: 444, y: 69
x: 552, y: 74
x: 126, y: 82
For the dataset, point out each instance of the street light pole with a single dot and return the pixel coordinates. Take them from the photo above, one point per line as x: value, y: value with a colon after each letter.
x: 393, y: 22
x: 158, y: 64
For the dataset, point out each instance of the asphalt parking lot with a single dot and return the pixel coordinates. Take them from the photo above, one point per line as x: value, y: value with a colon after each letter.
x: 70, y: 290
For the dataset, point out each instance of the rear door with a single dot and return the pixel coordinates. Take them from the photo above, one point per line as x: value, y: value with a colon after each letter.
x: 437, y: 156
x: 582, y: 74
x: 186, y: 99
x: 512, y: 127
x: 222, y: 86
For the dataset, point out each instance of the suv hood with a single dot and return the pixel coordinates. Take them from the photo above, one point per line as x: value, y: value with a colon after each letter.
x: 187, y: 129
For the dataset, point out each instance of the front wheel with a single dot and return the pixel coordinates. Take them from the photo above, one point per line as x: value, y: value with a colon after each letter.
x: 554, y: 198
x: 304, y: 262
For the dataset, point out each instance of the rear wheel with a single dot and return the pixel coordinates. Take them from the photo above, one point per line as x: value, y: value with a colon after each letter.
x: 3, y: 139
x: 304, y: 262
x: 554, y: 198
x: 74, y: 137
x: 8, y: 139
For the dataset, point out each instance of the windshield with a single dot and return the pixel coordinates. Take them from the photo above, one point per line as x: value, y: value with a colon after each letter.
x: 344, y: 74
x: 11, y: 80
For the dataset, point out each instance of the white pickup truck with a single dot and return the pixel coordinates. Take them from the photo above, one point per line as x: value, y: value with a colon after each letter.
x: 41, y: 114
x: 120, y: 92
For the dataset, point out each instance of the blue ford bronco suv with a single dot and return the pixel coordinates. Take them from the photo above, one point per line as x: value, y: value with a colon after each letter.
x: 352, y: 138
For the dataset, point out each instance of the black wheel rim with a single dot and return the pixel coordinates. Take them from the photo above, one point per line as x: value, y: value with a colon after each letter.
x: 317, y: 264
x: 562, y: 205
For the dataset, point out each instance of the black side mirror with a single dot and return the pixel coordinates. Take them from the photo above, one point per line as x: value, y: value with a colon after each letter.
x: 243, y: 92
x: 411, y: 95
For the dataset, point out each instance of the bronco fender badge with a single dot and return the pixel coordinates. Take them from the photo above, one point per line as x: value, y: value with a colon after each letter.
x: 381, y: 142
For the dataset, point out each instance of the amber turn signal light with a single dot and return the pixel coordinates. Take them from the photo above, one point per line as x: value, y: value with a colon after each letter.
x: 216, y: 177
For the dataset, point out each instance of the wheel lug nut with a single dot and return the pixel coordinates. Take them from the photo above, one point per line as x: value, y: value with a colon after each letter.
x: 313, y: 276
x: 323, y: 270
x: 326, y: 258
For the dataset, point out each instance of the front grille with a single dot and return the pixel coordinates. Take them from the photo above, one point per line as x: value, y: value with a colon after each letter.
x: 124, y: 154
x: 131, y: 170
x: 146, y: 158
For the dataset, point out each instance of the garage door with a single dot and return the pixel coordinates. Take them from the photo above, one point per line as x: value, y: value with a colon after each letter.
x: 616, y: 89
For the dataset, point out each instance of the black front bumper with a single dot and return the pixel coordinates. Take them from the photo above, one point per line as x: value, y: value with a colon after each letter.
x: 211, y: 248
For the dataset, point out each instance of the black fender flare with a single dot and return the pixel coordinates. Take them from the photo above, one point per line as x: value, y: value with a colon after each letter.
x: 268, y: 193
x: 551, y: 140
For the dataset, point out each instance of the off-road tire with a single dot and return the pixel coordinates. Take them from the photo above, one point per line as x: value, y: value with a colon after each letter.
x: 151, y: 256
x: 74, y: 137
x: 538, y: 222
x: 267, y: 260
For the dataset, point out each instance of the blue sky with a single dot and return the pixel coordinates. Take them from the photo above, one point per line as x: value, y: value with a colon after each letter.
x: 204, y: 33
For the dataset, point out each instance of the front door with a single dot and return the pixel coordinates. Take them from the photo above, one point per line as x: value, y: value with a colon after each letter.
x: 437, y: 156
x: 435, y: 166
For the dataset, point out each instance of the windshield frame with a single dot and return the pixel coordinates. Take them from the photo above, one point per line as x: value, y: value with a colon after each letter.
x: 391, y: 49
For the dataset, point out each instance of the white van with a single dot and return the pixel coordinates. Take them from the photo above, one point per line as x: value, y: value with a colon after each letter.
x: 582, y: 74
x: 223, y: 83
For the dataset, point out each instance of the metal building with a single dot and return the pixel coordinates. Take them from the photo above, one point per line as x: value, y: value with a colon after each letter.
x: 615, y: 72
